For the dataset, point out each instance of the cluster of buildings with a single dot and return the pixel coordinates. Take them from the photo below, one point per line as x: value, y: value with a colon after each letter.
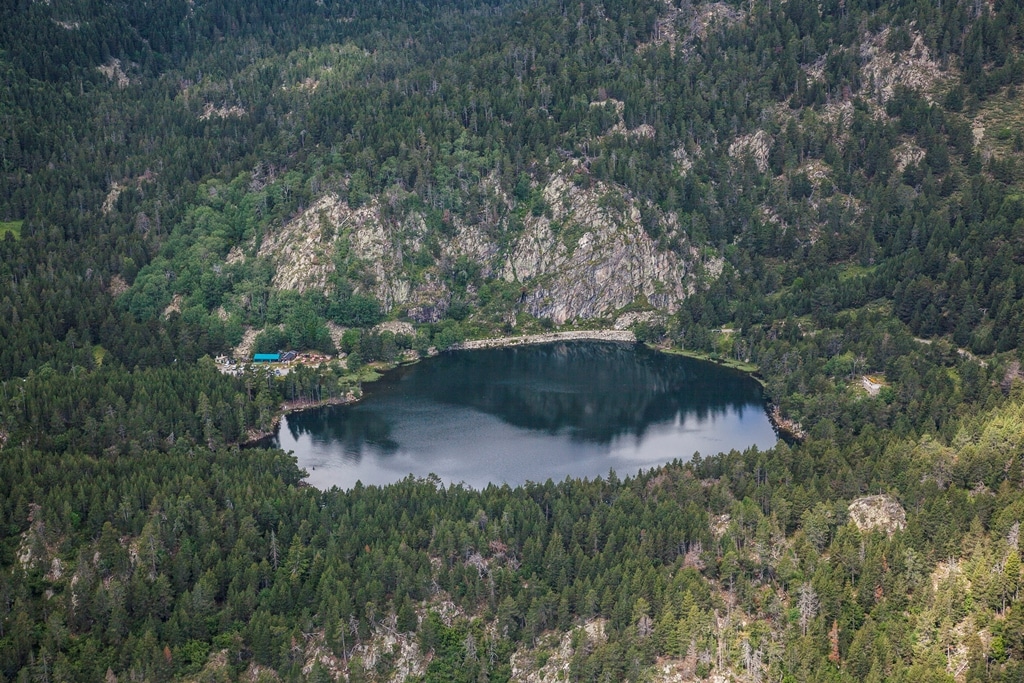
x: 231, y: 366
x: 274, y: 357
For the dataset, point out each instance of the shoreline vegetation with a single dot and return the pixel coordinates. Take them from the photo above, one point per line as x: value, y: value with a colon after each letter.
x: 787, y: 429
x: 784, y: 427
x: 297, y: 406
x: 748, y: 368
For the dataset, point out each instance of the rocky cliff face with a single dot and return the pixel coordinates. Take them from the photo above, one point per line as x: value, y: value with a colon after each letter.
x: 306, y: 252
x: 592, y: 256
x: 586, y: 256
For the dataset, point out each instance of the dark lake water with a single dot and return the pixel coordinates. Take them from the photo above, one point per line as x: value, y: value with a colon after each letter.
x: 529, y: 414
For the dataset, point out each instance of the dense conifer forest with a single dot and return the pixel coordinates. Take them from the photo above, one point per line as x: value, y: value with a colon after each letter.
x: 839, y: 183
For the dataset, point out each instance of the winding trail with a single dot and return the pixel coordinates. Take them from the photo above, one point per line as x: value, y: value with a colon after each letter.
x: 962, y: 351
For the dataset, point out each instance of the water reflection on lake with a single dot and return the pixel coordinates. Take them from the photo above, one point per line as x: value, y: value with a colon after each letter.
x: 528, y: 414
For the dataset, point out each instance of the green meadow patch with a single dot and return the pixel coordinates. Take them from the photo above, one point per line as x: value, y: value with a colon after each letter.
x: 13, y: 227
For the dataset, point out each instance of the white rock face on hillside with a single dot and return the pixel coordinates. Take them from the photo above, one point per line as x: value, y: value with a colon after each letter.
x: 756, y: 145
x: 914, y: 69
x: 304, y: 250
x: 883, y: 513
x: 587, y: 256
x: 606, y: 262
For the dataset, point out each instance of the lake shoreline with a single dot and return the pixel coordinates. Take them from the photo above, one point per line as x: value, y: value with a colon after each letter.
x: 746, y: 368
x: 548, y: 410
x: 786, y: 429
x: 545, y: 338
x: 288, y: 407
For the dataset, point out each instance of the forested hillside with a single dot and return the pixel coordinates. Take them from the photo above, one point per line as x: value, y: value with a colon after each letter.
x: 831, y: 191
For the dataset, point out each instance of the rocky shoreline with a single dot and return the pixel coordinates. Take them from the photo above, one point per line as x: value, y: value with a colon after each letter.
x: 785, y: 426
x: 546, y: 338
x: 289, y: 407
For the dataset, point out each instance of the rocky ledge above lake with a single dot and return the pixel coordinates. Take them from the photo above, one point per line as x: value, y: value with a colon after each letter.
x: 547, y: 338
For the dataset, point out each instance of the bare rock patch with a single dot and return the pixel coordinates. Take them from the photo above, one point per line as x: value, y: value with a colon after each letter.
x: 882, y: 513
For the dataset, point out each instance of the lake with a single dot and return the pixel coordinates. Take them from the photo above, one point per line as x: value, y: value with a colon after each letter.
x: 529, y: 413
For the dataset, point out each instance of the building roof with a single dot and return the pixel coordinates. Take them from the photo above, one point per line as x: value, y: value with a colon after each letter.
x: 266, y: 357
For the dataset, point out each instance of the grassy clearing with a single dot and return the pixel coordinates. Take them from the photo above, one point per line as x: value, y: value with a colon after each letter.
x: 1002, y: 117
x: 1000, y: 122
x: 368, y: 373
x: 13, y: 227
x: 855, y: 270
x: 749, y: 368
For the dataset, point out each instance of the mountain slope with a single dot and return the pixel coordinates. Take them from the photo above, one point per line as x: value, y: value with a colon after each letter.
x: 830, y: 191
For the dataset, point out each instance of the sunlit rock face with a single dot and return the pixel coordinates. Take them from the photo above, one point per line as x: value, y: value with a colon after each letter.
x: 587, y: 255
